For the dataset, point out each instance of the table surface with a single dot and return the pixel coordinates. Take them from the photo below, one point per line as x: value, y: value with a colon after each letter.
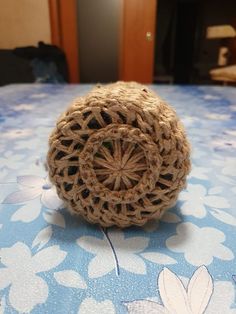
x: 52, y: 263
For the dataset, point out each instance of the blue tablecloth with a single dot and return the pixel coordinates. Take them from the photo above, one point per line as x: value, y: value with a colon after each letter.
x: 52, y: 263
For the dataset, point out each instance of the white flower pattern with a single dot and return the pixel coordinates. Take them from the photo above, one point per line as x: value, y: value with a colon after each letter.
x: 70, y: 278
x: 197, y: 296
x: 32, y: 188
x: 111, y: 253
x: 193, y: 242
x: 107, y: 268
x: 91, y: 306
x: 27, y: 288
x: 228, y: 166
x: 196, y: 198
x: 217, y: 116
x: 11, y: 161
x: 199, y: 172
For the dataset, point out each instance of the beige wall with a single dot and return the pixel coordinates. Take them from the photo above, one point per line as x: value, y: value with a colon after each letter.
x: 24, y: 22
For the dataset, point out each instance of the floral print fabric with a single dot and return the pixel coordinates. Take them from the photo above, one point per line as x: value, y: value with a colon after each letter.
x: 52, y: 262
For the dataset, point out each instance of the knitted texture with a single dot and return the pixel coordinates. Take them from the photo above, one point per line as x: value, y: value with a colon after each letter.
x: 119, y: 155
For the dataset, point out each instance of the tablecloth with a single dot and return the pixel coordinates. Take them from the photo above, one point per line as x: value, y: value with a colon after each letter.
x: 51, y: 262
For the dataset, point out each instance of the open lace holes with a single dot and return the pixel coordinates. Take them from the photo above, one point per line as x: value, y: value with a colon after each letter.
x: 93, y: 124
x: 85, y: 137
x: 72, y: 170
x: 96, y: 200
x: 67, y: 186
x: 75, y: 127
x: 118, y: 208
x: 60, y: 155
x: 167, y: 176
x: 161, y: 185
x: 130, y: 207
x: 157, y: 202
x: 123, y: 118
x: 74, y: 158
x: 135, y: 123
x: 108, y: 145
x: 78, y: 146
x: 86, y: 114
x: 91, y: 209
x: 145, y: 213
x: 66, y: 143
x: 80, y: 182
x: 105, y: 205
x: 85, y: 193
x: 106, y: 117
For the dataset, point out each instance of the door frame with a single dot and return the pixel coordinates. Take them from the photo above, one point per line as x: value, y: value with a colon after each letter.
x: 120, y: 49
x: 64, y: 33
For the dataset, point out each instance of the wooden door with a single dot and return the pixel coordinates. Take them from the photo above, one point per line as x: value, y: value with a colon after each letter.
x: 138, y: 19
x: 63, y: 20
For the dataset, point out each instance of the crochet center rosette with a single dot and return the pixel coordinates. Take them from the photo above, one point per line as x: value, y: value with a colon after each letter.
x: 119, y: 155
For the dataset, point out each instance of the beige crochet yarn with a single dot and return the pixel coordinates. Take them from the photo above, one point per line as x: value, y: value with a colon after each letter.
x: 119, y: 155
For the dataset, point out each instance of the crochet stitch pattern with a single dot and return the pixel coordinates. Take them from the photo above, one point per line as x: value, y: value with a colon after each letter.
x: 119, y: 155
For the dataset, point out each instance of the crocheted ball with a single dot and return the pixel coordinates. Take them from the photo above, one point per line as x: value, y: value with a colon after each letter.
x: 119, y: 155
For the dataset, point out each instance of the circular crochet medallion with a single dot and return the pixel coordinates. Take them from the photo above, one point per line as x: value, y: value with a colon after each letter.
x: 120, y: 164
x: 119, y: 156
